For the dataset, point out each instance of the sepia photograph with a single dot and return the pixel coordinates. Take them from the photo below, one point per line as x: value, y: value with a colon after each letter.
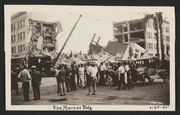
x: 85, y: 58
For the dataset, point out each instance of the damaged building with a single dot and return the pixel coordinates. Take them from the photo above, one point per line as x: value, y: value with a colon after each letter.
x: 142, y: 32
x: 33, y: 42
x: 117, y: 51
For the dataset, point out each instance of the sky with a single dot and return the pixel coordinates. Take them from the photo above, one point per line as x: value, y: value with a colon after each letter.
x: 94, y: 19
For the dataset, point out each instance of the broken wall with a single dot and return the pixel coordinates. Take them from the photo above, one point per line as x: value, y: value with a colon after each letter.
x: 42, y: 38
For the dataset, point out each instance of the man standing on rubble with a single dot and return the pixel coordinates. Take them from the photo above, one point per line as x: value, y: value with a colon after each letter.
x: 24, y: 76
x: 36, y: 82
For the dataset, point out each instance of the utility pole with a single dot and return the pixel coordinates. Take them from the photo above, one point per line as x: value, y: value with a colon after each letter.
x: 161, y: 38
x: 66, y: 40
x: 156, y: 23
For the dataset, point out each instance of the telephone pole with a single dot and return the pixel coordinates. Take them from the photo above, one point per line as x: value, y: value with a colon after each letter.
x: 66, y: 40
x: 161, y: 38
x: 156, y: 23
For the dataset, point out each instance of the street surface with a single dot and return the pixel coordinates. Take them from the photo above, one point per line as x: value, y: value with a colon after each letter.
x: 151, y: 94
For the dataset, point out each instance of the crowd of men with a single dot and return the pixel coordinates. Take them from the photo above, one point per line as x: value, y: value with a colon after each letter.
x: 76, y: 76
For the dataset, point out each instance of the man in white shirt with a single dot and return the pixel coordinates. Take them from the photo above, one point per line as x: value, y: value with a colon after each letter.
x: 121, y: 76
x: 93, y: 79
x: 24, y: 76
x: 81, y: 75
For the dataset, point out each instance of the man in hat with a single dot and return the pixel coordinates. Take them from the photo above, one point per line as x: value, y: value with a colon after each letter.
x: 24, y: 76
x: 36, y: 82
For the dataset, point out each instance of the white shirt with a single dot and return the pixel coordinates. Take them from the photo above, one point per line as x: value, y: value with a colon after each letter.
x: 56, y: 72
x: 127, y: 67
x: 102, y: 67
x: 88, y: 70
x: 81, y: 71
x: 121, y: 69
x: 24, y: 75
x: 93, y: 71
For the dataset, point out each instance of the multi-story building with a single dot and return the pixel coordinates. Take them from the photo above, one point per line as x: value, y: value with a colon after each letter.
x: 142, y: 32
x: 29, y: 36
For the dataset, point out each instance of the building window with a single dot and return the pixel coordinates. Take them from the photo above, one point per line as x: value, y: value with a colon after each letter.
x: 11, y: 27
x: 135, y: 26
x: 23, y: 22
x: 11, y: 39
x: 125, y: 27
x: 150, y: 46
x: 154, y: 35
x: 23, y: 35
x: 18, y: 49
x: 18, y: 36
x: 14, y: 27
x: 126, y: 38
x: 18, y: 24
x: 167, y: 38
x: 119, y: 38
x: 11, y: 50
x: 14, y: 49
x: 23, y: 47
x: 149, y: 35
x: 137, y: 36
x: 14, y: 38
x: 118, y: 29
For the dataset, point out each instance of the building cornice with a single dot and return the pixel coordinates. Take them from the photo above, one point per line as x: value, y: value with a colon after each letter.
x: 18, y: 14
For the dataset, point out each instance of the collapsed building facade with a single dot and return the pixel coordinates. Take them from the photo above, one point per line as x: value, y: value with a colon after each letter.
x: 115, y: 51
x: 34, y: 42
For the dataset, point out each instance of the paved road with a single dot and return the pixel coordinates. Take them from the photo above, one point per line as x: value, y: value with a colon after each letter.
x: 151, y: 94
